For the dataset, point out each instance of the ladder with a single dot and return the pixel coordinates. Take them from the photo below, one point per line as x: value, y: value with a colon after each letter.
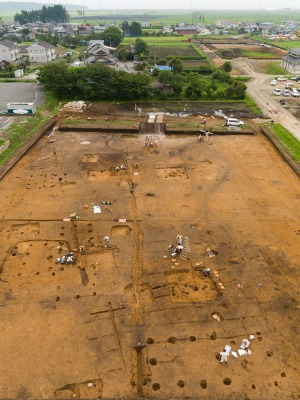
x: 186, y: 248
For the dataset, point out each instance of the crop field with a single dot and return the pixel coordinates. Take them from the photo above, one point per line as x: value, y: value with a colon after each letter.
x: 180, y: 51
x: 191, y: 64
x: 168, y: 46
x: 159, y: 40
x: 251, y: 52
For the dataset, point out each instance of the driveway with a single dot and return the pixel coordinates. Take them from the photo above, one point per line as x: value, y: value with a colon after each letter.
x: 260, y: 89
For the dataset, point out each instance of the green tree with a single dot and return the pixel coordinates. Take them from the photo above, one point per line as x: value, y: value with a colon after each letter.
x: 162, y: 61
x: 198, y: 87
x: 96, y: 36
x: 141, y: 47
x: 165, y: 77
x: 135, y: 29
x: 176, y: 64
x: 221, y: 76
x: 70, y: 40
x: 24, y: 31
x: 47, y: 37
x: 121, y: 54
x: 93, y: 82
x: 26, y: 16
x: 227, y: 67
x: 56, y: 13
x: 236, y: 91
x: 125, y: 27
x: 55, y: 77
x: 112, y: 36
x: 178, y: 83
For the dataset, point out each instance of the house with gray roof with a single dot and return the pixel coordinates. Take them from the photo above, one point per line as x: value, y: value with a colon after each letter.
x: 41, y: 52
x: 9, y: 51
x: 98, y: 52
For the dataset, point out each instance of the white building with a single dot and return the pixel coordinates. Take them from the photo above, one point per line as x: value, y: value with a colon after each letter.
x: 41, y: 52
x: 9, y: 51
x: 291, y: 62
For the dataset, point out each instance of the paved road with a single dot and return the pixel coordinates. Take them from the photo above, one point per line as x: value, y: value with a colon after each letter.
x: 18, y: 92
x: 260, y: 89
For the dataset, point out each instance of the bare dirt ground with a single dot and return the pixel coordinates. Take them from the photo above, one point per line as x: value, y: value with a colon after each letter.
x: 128, y: 320
x: 260, y: 89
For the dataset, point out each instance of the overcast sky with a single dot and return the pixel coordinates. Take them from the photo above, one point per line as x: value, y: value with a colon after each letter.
x: 189, y: 4
x: 178, y: 4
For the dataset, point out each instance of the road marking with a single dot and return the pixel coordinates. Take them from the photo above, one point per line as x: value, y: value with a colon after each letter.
x: 7, y: 121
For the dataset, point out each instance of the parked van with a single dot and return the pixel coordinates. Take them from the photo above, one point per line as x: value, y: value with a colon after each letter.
x: 234, y: 122
x: 277, y: 92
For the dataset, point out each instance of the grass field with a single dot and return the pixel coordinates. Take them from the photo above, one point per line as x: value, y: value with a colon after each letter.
x: 282, y: 44
x: 289, y: 141
x: 274, y: 69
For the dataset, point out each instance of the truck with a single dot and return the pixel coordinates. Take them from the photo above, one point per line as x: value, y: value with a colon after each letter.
x: 20, y: 108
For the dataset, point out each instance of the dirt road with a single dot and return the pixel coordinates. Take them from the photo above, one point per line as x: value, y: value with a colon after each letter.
x: 260, y: 89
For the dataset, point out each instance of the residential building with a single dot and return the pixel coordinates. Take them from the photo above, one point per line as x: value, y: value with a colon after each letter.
x: 226, y: 24
x: 291, y: 62
x: 186, y: 30
x: 99, y: 28
x: 41, y: 52
x: 11, y: 33
x: 9, y: 51
x: 85, y: 29
x: 98, y: 52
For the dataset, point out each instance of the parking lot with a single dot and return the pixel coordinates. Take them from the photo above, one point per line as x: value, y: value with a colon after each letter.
x: 18, y: 92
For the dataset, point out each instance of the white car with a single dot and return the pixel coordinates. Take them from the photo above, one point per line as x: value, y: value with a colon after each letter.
x: 286, y: 92
x: 273, y: 82
x: 281, y: 78
x: 233, y: 122
x: 289, y: 85
x: 295, y: 93
x: 277, y: 92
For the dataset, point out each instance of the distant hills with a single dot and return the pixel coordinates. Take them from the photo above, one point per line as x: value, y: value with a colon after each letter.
x: 29, y: 6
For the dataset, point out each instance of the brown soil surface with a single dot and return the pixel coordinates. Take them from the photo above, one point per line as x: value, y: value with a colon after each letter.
x: 129, y: 319
x: 230, y: 51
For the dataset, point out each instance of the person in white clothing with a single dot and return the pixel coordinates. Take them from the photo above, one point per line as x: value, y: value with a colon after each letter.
x: 245, y: 344
x: 223, y: 357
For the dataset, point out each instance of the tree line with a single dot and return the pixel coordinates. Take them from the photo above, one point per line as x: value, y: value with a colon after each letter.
x: 96, y: 82
x: 56, y: 13
x: 93, y: 82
